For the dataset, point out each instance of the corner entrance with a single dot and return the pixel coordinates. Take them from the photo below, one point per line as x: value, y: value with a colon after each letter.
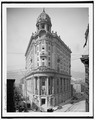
x: 43, y: 101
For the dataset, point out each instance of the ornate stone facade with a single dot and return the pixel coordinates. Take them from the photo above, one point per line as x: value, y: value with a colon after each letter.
x: 48, y: 65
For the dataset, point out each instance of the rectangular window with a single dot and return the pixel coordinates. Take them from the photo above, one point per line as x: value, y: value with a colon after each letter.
x: 49, y: 53
x: 49, y: 63
x: 49, y: 58
x: 43, y: 82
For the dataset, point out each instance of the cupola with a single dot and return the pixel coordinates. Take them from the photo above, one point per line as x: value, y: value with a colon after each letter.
x: 44, y: 22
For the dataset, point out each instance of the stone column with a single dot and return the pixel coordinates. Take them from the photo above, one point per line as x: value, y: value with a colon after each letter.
x: 53, y: 86
x: 46, y: 27
x: 64, y: 88
x: 39, y: 86
x: 47, y: 85
x: 26, y: 87
x: 34, y: 85
x: 40, y: 26
x: 62, y: 85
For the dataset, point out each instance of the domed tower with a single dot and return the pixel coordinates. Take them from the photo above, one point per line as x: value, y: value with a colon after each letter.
x: 44, y: 22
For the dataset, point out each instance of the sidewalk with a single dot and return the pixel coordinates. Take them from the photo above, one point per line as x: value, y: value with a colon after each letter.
x: 66, y: 103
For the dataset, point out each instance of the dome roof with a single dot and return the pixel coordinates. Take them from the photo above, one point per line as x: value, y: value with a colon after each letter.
x: 43, y: 18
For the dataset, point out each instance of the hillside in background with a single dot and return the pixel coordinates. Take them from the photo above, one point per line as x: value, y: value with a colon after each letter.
x: 78, y: 75
x: 18, y: 74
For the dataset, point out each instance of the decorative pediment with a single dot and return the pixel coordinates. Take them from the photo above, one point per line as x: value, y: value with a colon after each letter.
x: 42, y: 33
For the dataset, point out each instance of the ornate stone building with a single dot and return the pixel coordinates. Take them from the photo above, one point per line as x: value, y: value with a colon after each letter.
x: 48, y: 66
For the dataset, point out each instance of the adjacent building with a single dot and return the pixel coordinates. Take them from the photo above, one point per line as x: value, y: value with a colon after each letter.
x: 85, y: 61
x: 48, y: 66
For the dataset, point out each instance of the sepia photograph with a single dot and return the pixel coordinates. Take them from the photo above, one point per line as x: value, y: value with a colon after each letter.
x: 47, y: 59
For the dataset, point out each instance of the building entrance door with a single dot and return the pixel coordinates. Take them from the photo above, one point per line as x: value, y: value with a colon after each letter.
x: 42, y: 101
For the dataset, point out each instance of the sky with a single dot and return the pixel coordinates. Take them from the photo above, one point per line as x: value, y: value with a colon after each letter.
x: 69, y: 23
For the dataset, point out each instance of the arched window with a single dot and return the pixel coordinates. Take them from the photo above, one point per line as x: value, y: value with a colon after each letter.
x: 38, y: 27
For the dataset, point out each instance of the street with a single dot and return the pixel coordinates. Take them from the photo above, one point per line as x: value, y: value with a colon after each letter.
x: 76, y: 107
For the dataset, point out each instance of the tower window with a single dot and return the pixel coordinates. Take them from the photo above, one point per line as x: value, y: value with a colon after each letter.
x: 43, y: 26
x: 48, y: 27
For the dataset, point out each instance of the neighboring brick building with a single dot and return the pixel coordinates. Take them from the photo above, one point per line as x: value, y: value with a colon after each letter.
x: 78, y: 87
x: 48, y: 66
